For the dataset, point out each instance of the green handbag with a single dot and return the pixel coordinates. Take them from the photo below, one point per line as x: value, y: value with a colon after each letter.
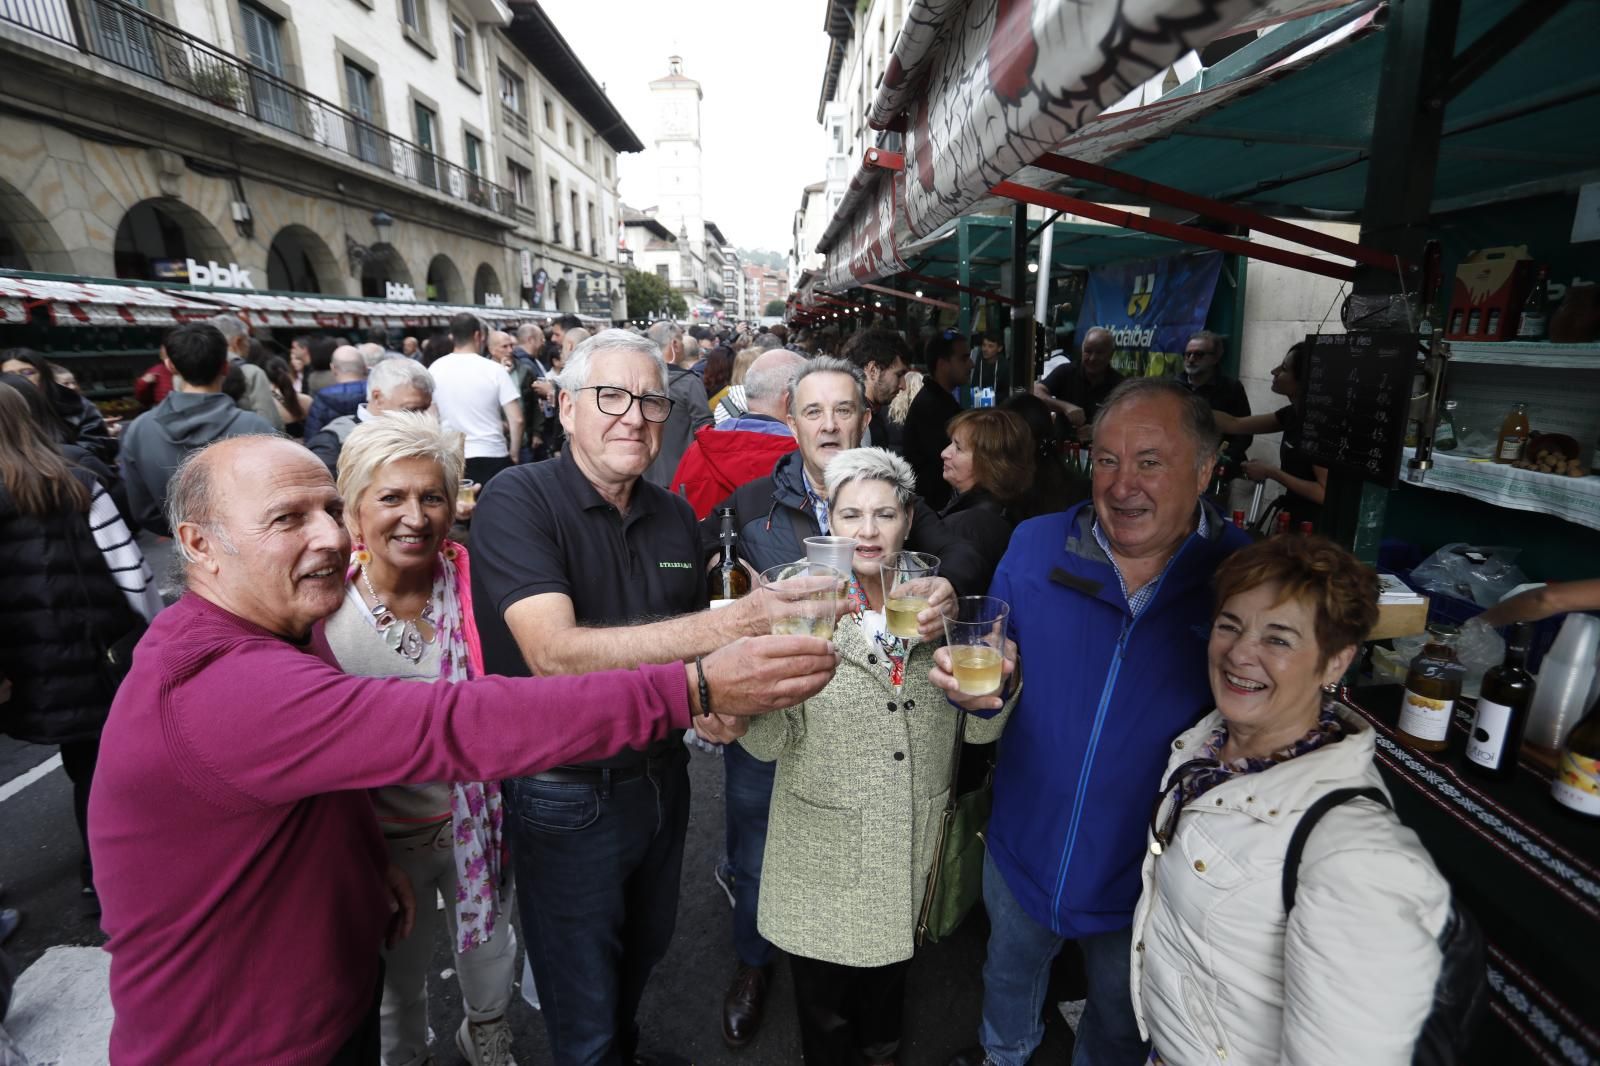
x: 955, y: 881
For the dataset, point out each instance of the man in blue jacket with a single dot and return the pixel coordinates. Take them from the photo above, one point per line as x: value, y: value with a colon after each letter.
x: 1111, y: 609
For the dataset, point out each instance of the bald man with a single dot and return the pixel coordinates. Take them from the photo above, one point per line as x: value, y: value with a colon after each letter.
x: 242, y: 874
x: 1077, y: 390
x: 347, y: 393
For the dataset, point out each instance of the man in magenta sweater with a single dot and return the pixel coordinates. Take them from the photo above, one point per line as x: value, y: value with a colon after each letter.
x: 240, y: 866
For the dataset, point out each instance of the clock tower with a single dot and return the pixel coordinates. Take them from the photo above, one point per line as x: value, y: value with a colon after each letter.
x: 677, y: 144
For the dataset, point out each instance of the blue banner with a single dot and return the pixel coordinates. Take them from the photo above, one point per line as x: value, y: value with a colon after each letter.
x: 1151, y: 308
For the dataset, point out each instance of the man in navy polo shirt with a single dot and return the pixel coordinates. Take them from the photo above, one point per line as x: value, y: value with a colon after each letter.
x: 578, y: 561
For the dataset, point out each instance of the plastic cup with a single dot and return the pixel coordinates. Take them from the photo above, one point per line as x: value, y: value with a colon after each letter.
x: 468, y: 491
x: 907, y: 585
x: 976, y: 634
x: 837, y: 552
x: 802, y: 598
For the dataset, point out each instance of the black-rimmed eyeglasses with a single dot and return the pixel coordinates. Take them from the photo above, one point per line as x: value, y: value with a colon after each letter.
x: 616, y: 402
x: 1164, y: 815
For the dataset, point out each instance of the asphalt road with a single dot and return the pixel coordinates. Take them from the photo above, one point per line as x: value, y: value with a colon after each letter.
x: 39, y: 855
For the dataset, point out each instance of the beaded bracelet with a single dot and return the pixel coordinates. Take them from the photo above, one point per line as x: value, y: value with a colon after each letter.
x: 705, y: 689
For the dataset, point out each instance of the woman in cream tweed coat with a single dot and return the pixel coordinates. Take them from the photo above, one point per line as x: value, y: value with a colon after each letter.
x: 863, y: 774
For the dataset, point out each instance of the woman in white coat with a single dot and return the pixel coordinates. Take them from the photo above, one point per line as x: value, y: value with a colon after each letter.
x: 1220, y: 973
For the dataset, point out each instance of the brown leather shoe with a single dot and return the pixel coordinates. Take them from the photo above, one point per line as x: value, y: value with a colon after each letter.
x: 742, y: 1007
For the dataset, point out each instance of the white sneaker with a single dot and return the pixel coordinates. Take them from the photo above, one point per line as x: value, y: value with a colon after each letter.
x: 485, y: 1043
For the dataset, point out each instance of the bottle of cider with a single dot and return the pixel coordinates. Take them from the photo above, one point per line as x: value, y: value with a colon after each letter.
x: 1503, y: 704
x: 1577, y: 783
x: 728, y: 581
x: 1432, y: 687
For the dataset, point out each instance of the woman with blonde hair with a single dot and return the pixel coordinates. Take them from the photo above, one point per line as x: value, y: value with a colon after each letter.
x: 858, y: 792
x: 407, y: 613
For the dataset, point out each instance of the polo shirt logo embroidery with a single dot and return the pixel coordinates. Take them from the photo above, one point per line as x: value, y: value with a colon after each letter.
x: 674, y: 566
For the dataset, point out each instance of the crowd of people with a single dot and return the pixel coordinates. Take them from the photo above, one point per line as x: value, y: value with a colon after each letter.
x: 267, y: 869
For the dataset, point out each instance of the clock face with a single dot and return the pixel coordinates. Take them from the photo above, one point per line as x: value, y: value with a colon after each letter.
x: 675, y: 118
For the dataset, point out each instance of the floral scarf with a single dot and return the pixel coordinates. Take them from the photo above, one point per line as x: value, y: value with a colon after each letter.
x: 894, y: 648
x: 1329, y: 728
x: 482, y: 852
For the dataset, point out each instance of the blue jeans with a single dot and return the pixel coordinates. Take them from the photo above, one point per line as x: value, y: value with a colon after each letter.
x: 747, y: 792
x: 597, y: 870
x: 1017, y: 972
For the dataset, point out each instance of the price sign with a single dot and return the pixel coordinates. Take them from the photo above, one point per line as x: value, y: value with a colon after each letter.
x: 1356, y: 400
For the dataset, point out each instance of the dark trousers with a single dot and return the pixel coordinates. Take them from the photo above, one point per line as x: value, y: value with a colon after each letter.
x: 597, y: 869
x: 77, y: 760
x: 365, y: 1046
x: 485, y: 467
x: 747, y: 794
x: 848, y: 1014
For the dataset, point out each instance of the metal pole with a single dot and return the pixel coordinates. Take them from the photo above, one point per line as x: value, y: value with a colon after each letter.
x: 1419, y: 45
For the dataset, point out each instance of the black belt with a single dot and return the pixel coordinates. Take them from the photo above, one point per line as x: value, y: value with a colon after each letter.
x: 603, y: 775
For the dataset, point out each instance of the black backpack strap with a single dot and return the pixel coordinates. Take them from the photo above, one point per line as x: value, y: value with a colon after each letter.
x: 1308, y: 822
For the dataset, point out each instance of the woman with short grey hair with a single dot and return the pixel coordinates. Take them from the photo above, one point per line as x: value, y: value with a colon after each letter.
x: 858, y: 792
x: 407, y: 612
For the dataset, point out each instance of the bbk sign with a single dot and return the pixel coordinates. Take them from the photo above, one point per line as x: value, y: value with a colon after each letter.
x: 394, y: 290
x: 217, y: 276
x: 494, y: 299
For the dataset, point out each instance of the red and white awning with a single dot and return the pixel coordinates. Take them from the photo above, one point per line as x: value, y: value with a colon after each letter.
x: 85, y: 303
x: 982, y: 88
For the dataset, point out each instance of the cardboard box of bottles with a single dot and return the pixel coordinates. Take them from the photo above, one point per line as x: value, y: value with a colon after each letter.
x: 1486, y: 300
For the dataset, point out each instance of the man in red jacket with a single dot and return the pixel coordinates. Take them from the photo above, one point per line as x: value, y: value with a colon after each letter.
x: 721, y: 458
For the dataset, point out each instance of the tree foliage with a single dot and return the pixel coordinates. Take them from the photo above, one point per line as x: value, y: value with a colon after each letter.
x: 773, y: 308
x: 648, y: 294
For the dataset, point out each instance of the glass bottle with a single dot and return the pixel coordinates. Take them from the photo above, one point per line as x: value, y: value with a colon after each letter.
x: 1433, y: 686
x: 1444, y: 435
x: 1577, y: 782
x: 1502, y: 714
x: 1513, y: 439
x: 728, y: 581
x: 1534, y: 325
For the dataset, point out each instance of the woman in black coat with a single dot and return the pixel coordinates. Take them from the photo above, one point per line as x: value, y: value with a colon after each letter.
x: 88, y: 427
x: 989, y: 464
x: 75, y: 585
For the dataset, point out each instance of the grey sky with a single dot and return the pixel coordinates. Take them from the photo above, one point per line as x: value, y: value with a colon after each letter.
x: 760, y: 69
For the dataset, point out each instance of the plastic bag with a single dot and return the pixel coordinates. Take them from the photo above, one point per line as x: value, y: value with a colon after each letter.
x: 1477, y: 649
x: 1482, y: 575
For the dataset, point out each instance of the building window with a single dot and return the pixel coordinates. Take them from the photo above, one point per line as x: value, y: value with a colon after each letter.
x: 362, y: 137
x: 555, y: 211
x: 549, y: 116
x: 461, y: 46
x: 521, y: 183
x: 263, y: 46
x: 414, y: 16
x: 607, y: 163
x: 594, y: 234
x: 425, y: 120
x: 663, y: 272
x: 577, y: 238
x: 572, y: 137
x: 513, y: 100
x: 474, y: 153
x: 588, y: 150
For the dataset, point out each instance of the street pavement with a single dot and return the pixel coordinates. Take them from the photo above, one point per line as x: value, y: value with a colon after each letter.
x: 681, y: 1011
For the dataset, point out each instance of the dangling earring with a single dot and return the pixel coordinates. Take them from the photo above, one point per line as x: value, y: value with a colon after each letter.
x: 360, y: 555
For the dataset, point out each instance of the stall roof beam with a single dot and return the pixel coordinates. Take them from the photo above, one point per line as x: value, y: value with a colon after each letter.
x: 1494, y: 45
x: 1223, y: 212
x: 1174, y: 230
x: 942, y: 283
x: 930, y: 301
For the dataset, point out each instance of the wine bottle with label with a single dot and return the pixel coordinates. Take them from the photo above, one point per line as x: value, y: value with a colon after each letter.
x: 1577, y: 783
x: 1503, y: 704
x: 729, y: 581
x: 1432, y: 687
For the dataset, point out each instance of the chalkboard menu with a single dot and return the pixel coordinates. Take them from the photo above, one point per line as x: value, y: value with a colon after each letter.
x: 1356, y: 400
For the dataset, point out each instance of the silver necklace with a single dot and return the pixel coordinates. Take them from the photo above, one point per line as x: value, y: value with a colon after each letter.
x: 406, y: 636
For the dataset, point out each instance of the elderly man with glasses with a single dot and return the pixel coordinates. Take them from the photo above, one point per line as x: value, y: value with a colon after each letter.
x: 579, y: 561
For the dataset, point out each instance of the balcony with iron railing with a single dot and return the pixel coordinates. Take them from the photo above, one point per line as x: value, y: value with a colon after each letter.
x: 136, y: 40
